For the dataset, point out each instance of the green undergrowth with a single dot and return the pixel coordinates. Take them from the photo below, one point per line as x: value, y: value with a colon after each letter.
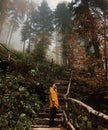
x: 18, y: 106
x: 20, y: 88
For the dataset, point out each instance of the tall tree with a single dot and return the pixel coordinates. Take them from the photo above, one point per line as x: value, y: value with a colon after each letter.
x: 89, y: 17
x: 25, y: 33
x: 39, y: 22
x: 26, y: 29
x: 41, y: 46
x: 16, y: 16
x: 63, y: 25
x: 5, y: 6
x: 62, y: 17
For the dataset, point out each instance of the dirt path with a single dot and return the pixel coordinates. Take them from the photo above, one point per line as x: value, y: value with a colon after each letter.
x: 46, y: 129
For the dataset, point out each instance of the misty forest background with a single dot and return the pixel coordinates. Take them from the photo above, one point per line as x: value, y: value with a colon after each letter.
x: 72, y: 36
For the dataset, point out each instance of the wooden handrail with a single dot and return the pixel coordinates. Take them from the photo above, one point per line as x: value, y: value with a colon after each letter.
x: 88, y: 108
x: 69, y: 85
x: 68, y: 123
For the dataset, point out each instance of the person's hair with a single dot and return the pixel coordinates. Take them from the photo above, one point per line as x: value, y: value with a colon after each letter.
x: 52, y: 82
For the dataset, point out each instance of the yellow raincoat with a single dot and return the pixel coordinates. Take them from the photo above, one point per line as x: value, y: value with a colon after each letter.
x: 53, y: 98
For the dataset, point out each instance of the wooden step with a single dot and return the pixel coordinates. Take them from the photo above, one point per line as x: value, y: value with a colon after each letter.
x: 61, y: 95
x: 62, y: 89
x: 58, y: 111
x: 61, y: 82
x: 46, y: 128
x: 47, y: 115
x: 45, y: 121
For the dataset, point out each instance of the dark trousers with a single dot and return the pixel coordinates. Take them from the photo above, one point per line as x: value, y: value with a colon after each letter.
x: 53, y: 112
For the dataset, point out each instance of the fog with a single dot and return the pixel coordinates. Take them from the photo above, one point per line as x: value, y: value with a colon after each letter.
x: 52, y: 3
x: 16, y: 42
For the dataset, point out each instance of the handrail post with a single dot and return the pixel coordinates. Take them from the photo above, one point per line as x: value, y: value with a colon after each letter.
x: 69, y: 124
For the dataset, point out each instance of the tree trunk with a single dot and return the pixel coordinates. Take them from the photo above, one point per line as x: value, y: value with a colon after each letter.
x: 8, y: 33
x: 11, y: 33
x: 0, y: 30
x: 29, y: 46
x: 105, y: 48
x: 1, y: 27
x: 24, y: 47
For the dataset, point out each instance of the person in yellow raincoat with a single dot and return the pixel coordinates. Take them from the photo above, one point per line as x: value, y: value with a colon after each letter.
x: 54, y: 104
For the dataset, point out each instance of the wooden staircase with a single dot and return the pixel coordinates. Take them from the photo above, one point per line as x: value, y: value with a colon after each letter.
x: 43, y: 119
x: 65, y: 119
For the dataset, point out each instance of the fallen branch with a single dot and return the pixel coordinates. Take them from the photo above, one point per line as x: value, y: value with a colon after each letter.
x: 8, y: 49
x: 89, y: 109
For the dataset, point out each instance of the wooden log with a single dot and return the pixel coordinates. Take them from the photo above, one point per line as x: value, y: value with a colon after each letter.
x: 88, y: 108
x: 8, y: 49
